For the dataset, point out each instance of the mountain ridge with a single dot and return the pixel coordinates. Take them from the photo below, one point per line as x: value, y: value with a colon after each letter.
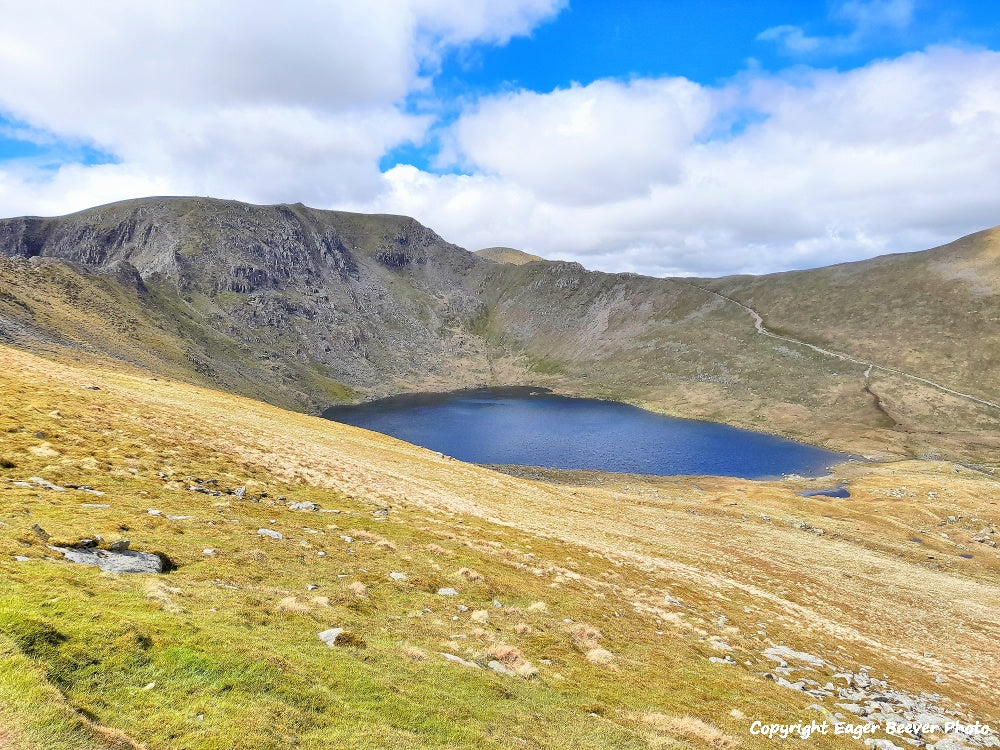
x: 304, y: 307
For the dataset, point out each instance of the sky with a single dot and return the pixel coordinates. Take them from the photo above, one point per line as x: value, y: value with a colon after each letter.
x: 668, y: 137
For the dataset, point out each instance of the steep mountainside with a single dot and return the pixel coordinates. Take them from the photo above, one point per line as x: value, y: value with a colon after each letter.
x: 304, y: 308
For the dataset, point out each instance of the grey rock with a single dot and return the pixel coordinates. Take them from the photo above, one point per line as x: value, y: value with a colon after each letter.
x: 397, y: 576
x: 792, y: 685
x: 21, y: 558
x: 497, y: 666
x: 40, y: 533
x: 303, y: 506
x: 46, y: 484
x: 329, y: 637
x: 719, y: 660
x: 459, y: 660
x: 121, y: 545
x: 949, y: 744
x: 240, y: 492
x: 854, y: 708
x: 128, y: 561
x: 878, y: 744
x: 269, y: 532
x: 781, y: 653
x: 447, y: 592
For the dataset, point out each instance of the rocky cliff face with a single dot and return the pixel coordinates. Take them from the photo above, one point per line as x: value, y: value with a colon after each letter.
x: 368, y: 302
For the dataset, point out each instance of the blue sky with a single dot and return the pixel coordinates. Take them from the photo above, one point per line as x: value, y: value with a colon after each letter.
x: 659, y: 137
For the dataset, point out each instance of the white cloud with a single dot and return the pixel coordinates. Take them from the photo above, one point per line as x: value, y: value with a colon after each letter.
x: 256, y: 100
x: 898, y: 155
x: 865, y: 18
x: 586, y: 144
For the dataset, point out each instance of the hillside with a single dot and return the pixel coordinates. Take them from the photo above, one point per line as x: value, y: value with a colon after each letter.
x: 305, y: 308
x: 476, y: 608
x: 508, y: 255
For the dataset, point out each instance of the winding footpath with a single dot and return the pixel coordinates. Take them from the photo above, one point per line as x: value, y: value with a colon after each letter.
x: 758, y: 323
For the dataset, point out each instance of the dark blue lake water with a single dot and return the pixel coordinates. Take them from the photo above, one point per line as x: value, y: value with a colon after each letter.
x: 530, y: 427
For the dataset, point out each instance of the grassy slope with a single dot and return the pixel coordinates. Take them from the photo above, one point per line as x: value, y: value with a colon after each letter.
x: 229, y: 640
x: 508, y: 255
x: 934, y: 313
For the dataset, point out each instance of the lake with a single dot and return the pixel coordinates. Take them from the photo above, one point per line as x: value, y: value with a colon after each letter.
x: 531, y: 427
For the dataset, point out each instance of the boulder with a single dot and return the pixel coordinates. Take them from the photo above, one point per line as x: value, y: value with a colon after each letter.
x: 114, y: 561
x: 269, y: 532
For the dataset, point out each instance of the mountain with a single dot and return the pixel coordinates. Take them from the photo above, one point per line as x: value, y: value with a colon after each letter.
x: 508, y: 255
x: 325, y: 586
x: 304, y: 308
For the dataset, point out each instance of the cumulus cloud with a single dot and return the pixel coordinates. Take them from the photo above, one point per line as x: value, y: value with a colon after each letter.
x: 256, y: 100
x: 864, y: 19
x: 764, y: 173
x: 585, y: 144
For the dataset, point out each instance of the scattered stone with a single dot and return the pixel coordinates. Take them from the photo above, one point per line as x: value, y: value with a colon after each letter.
x: 269, y: 532
x: 303, y: 506
x: 150, y: 686
x: 46, y: 484
x: 497, y: 666
x: 397, y: 576
x: 883, y: 745
x: 121, y: 545
x: 718, y: 660
x: 153, y: 512
x: 312, y: 587
x: 240, y: 492
x: 447, y: 591
x: 329, y: 637
x: 780, y: 653
x: 41, y: 533
x: 21, y: 558
x: 127, y: 561
x: 208, y: 551
x: 459, y: 660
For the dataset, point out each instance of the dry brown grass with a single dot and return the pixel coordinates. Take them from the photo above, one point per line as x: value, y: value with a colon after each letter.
x: 413, y: 653
x: 162, y: 594
x: 690, y: 728
x: 291, y: 604
x: 359, y: 589
x: 469, y: 574
x: 584, y: 637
